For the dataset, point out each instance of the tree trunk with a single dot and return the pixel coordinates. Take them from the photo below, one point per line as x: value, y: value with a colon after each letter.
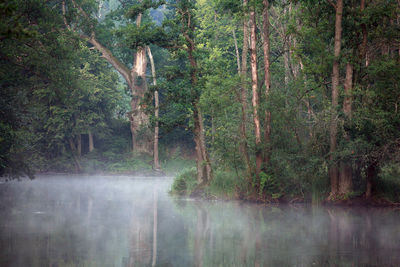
x: 77, y: 163
x: 348, y: 88
x: 91, y: 143
x: 254, y: 86
x: 236, y: 51
x: 363, y: 46
x: 204, y: 170
x: 346, y: 170
x: 79, y: 145
x: 156, y: 161
x: 206, y: 157
x: 141, y: 136
x: 135, y: 78
x: 333, y: 169
x: 266, y: 48
x: 243, y: 97
x: 203, y: 166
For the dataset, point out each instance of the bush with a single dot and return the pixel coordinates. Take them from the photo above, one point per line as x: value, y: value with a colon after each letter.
x: 185, y: 182
x: 172, y: 166
x: 388, y: 182
x: 131, y: 164
x: 224, y: 184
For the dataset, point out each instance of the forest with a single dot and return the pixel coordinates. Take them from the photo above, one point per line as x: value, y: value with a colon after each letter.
x: 262, y: 100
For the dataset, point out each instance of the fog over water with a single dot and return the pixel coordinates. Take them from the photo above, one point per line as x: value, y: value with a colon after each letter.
x: 132, y: 221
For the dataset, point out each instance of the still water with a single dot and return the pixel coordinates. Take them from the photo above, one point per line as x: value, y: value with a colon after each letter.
x: 132, y: 221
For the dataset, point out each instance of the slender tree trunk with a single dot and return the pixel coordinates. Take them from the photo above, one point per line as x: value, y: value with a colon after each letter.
x: 213, y: 130
x: 346, y: 170
x: 236, y: 51
x: 310, y: 112
x: 348, y: 88
x: 74, y: 151
x: 204, y: 171
x: 156, y: 161
x: 79, y: 145
x: 203, y: 146
x: 254, y: 86
x: 243, y: 96
x: 333, y: 169
x: 91, y: 143
x: 267, y: 78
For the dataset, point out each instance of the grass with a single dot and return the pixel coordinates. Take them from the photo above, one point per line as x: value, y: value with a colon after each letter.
x: 185, y: 182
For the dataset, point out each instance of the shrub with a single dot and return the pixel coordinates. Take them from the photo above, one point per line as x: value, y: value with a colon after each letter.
x: 224, y: 184
x: 185, y: 182
x: 388, y: 183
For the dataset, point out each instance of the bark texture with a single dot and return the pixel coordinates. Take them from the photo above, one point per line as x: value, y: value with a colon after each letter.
x: 267, y: 81
x: 333, y: 168
x: 204, y: 170
x: 91, y: 142
x: 254, y: 87
x: 346, y: 170
x: 134, y: 77
x: 75, y: 156
x: 243, y: 96
x: 156, y: 161
x: 141, y: 135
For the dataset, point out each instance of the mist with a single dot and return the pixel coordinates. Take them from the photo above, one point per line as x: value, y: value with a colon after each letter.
x: 133, y: 221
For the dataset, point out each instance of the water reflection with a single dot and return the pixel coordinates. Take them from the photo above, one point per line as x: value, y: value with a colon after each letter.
x: 121, y: 221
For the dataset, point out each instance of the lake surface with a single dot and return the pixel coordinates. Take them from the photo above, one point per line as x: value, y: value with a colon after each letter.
x: 132, y: 221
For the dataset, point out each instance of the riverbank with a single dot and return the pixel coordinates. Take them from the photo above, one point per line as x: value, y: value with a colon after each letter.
x: 227, y: 186
x: 105, y: 164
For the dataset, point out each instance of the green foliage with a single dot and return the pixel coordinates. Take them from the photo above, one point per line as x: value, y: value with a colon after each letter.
x: 185, y: 182
x: 130, y: 164
x: 225, y: 184
x: 141, y: 7
x: 58, y: 90
x: 388, y: 184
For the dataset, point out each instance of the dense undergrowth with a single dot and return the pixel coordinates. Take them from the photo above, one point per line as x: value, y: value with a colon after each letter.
x: 279, y: 189
x: 113, y: 163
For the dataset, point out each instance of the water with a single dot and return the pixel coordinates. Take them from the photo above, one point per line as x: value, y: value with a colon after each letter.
x: 132, y: 221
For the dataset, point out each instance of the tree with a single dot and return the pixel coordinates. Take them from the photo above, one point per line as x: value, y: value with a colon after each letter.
x: 254, y: 88
x: 139, y: 35
x: 333, y: 169
x: 182, y: 33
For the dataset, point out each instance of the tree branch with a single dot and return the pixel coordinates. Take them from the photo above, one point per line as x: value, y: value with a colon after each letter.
x: 332, y: 4
x: 106, y: 53
x: 118, y: 65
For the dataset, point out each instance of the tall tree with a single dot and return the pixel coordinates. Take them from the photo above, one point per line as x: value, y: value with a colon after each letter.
x: 254, y: 87
x: 267, y: 81
x: 333, y: 169
x: 243, y: 90
x: 156, y: 161
x: 135, y: 77
x: 182, y: 28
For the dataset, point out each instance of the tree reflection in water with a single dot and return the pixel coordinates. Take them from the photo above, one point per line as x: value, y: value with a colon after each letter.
x: 120, y: 221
